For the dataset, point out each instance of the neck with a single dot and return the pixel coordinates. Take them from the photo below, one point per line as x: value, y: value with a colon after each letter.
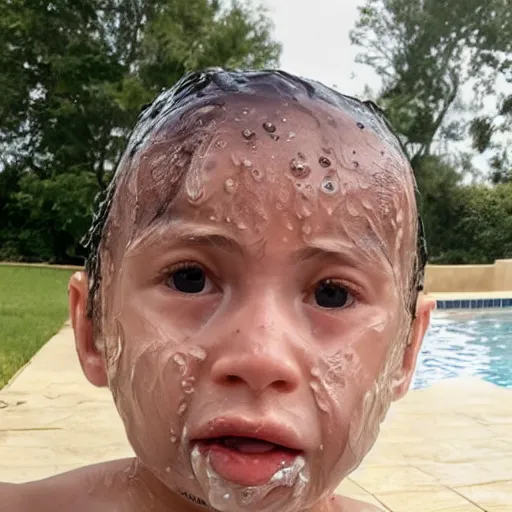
x: 146, y: 493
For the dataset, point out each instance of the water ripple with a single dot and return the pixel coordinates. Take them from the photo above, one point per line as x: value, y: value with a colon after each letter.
x: 477, y: 344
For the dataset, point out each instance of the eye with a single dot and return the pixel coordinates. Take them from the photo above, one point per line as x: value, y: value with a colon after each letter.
x: 331, y: 294
x: 188, y: 278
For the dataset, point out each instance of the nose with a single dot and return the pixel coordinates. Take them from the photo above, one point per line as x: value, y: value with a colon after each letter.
x: 258, y: 357
x: 258, y: 370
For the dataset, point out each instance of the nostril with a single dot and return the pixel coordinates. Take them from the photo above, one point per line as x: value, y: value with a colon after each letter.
x: 281, y: 385
x: 233, y: 379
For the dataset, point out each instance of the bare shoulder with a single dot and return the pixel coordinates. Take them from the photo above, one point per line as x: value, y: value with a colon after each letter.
x: 344, y: 504
x: 80, y: 490
x: 10, y: 497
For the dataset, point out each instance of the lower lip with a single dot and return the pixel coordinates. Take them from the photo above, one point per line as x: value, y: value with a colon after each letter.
x: 247, y: 469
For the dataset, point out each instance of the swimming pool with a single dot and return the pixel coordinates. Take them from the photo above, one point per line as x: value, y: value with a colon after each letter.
x: 466, y: 343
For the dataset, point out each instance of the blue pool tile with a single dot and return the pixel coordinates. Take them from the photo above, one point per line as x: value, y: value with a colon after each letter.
x: 465, y: 304
x: 480, y: 303
x: 496, y: 303
x: 506, y: 303
x: 456, y: 304
x: 440, y: 304
x: 449, y: 304
x: 473, y: 304
x: 487, y: 303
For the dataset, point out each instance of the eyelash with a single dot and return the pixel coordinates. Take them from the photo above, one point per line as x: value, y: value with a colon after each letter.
x: 353, y: 290
x: 182, y: 265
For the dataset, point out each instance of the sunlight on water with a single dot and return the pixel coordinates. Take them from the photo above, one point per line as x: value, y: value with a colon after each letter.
x: 462, y: 344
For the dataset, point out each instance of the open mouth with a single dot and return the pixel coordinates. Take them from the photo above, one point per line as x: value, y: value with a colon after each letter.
x: 246, y: 461
x: 248, y: 445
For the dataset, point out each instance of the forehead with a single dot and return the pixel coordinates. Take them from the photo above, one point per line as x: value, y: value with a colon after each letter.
x: 261, y: 164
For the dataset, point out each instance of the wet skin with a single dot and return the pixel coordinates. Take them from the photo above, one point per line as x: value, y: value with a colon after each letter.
x: 270, y: 297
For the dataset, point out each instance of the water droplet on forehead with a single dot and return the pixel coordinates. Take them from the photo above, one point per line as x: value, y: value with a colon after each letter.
x: 306, y: 229
x: 305, y: 211
x: 291, y: 136
x: 221, y: 144
x: 274, y: 137
x: 269, y: 127
x: 173, y: 440
x: 235, y: 159
x: 247, y: 163
x: 245, y: 111
x: 257, y: 174
x: 182, y: 408
x: 324, y: 161
x: 360, y: 125
x: 352, y: 210
x: 329, y: 186
x: 195, y: 193
x: 230, y: 185
x: 283, y: 195
x: 248, y: 134
x: 363, y: 183
x: 299, y: 169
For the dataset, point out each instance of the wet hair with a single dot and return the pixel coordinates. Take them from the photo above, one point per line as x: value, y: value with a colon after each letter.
x: 201, y: 88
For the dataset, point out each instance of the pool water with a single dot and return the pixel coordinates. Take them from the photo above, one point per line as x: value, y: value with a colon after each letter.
x: 477, y: 344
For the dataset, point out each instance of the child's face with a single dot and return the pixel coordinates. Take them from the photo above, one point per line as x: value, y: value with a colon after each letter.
x: 269, y: 305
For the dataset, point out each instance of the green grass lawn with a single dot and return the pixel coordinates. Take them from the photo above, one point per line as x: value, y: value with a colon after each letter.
x: 33, y: 307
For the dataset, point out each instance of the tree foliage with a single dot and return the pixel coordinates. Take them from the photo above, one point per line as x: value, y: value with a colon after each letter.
x: 426, y: 52
x: 74, y: 77
x: 446, y: 69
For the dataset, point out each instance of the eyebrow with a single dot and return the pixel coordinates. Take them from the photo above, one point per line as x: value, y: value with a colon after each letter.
x: 340, y: 250
x: 207, y: 236
x: 183, y: 235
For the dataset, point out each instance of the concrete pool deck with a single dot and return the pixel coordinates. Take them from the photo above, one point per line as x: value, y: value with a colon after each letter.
x: 445, y: 448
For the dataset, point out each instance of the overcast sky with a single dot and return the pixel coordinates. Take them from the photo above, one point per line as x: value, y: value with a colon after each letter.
x: 316, y: 43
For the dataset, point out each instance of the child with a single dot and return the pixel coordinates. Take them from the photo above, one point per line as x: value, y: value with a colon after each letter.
x: 251, y: 300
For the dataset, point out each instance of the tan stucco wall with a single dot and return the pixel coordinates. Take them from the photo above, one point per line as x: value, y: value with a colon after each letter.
x: 469, y: 278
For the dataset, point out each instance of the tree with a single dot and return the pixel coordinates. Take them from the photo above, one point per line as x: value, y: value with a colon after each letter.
x: 74, y: 77
x: 426, y: 51
x: 483, y: 230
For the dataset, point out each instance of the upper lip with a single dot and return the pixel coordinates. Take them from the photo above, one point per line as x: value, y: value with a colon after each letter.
x: 271, y: 432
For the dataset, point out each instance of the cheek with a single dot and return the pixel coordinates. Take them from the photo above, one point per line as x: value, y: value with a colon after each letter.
x: 152, y: 383
x: 351, y: 390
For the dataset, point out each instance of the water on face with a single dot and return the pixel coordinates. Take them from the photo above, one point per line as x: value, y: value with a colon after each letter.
x: 257, y: 185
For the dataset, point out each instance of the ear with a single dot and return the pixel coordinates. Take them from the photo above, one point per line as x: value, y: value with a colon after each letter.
x: 424, y: 308
x: 91, y: 359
